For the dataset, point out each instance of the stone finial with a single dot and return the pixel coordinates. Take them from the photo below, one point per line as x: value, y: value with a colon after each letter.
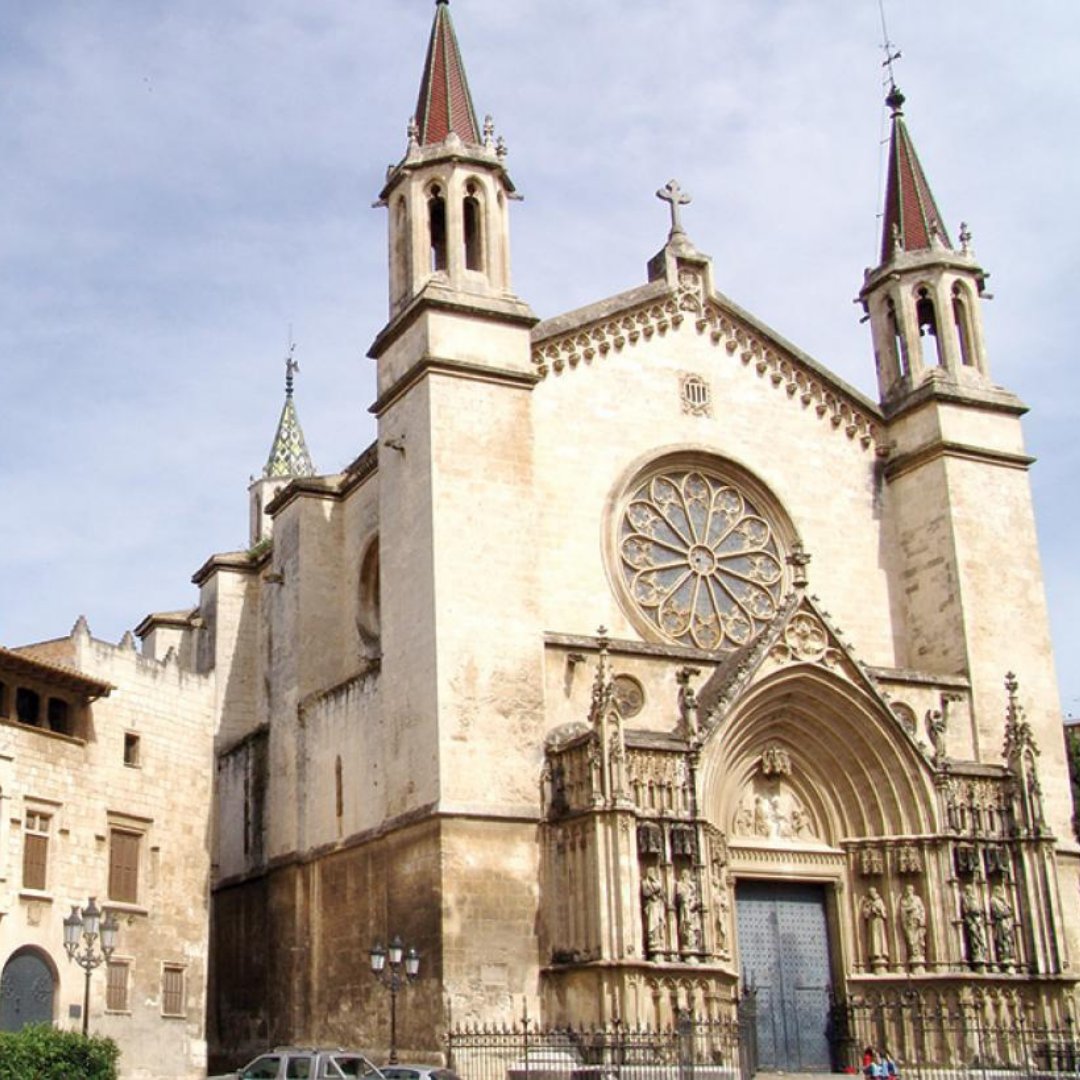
x: 128, y: 641
x: 81, y: 627
x: 1018, y: 734
x: 489, y: 131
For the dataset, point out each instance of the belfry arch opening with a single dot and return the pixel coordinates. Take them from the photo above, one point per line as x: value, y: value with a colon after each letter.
x: 436, y: 205
x: 962, y: 319
x: 926, y: 317
x: 473, y: 227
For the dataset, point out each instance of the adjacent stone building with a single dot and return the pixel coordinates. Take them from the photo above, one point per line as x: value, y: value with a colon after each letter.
x: 105, y: 793
x: 637, y: 658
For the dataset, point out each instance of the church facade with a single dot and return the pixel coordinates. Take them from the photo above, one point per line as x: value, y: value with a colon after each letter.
x: 639, y: 658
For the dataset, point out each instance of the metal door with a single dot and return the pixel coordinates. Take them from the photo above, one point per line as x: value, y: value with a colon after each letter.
x: 26, y: 992
x: 784, y: 953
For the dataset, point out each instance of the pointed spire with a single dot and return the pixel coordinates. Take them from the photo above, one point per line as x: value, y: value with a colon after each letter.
x: 445, y: 104
x: 289, y: 453
x: 912, y: 221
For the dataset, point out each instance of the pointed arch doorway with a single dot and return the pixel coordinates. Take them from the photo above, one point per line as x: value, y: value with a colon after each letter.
x: 784, y: 954
x: 27, y: 991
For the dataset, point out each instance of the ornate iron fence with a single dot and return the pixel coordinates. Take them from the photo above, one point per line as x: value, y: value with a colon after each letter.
x: 951, y: 1034
x: 691, y: 1050
x: 970, y: 1032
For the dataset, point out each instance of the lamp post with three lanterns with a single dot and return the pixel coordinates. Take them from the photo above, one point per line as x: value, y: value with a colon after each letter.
x: 83, y: 929
x: 404, y: 966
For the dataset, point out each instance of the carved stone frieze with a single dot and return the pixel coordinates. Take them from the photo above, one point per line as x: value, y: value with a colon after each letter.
x: 977, y: 806
x: 772, y: 811
x: 775, y: 761
x: 909, y: 859
x: 871, y: 861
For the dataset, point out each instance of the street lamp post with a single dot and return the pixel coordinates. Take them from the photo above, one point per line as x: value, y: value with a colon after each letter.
x: 84, y: 928
x: 394, y: 967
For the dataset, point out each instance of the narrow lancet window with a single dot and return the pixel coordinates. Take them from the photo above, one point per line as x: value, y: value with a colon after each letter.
x: 437, y: 228
x: 961, y: 316
x: 926, y: 314
x: 400, y: 263
x: 474, y: 233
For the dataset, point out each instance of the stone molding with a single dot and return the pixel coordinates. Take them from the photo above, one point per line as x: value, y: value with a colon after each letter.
x: 784, y: 369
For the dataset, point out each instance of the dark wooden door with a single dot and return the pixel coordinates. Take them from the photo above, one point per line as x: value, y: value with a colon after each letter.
x: 784, y: 953
x: 26, y: 992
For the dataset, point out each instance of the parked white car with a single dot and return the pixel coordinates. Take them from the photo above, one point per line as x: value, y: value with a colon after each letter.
x: 307, y: 1063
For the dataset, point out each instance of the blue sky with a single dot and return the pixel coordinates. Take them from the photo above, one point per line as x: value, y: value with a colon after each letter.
x: 180, y: 182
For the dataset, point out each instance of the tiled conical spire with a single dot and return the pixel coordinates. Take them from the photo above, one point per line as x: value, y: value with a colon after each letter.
x: 289, y: 454
x: 911, y: 220
x: 445, y: 104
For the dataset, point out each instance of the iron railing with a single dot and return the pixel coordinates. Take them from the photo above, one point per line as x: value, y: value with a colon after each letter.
x: 939, y: 1035
x: 691, y: 1050
x: 952, y: 1034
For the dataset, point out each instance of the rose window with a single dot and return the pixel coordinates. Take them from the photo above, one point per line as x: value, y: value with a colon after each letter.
x: 700, y: 562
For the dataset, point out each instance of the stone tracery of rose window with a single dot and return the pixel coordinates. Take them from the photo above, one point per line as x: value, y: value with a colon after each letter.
x: 700, y: 562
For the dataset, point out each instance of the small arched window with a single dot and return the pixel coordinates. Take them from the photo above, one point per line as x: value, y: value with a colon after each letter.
x: 437, y: 227
x: 926, y: 315
x: 472, y: 218
x: 962, y: 318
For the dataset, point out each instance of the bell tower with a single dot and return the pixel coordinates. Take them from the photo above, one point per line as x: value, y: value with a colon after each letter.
x: 923, y: 298
x: 458, y: 493
x: 958, y: 520
x: 448, y: 198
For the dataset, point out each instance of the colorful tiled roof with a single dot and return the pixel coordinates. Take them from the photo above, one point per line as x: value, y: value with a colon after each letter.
x: 289, y: 453
x: 911, y: 216
x: 445, y: 104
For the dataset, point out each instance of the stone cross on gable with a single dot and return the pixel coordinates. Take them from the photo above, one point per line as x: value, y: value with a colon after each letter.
x: 673, y: 194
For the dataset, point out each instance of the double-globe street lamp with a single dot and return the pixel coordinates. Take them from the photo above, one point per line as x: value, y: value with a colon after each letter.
x: 393, y: 967
x: 83, y: 929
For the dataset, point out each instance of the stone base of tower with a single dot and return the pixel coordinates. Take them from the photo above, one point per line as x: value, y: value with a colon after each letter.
x: 291, y: 946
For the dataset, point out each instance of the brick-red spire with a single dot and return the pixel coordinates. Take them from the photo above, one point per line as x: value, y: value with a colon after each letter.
x: 445, y: 103
x: 911, y: 215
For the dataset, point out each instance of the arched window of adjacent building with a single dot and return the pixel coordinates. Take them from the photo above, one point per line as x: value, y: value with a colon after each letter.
x: 27, y: 706
x: 926, y: 315
x: 472, y: 217
x: 899, y: 345
x: 58, y: 714
x: 962, y: 317
x: 437, y: 227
